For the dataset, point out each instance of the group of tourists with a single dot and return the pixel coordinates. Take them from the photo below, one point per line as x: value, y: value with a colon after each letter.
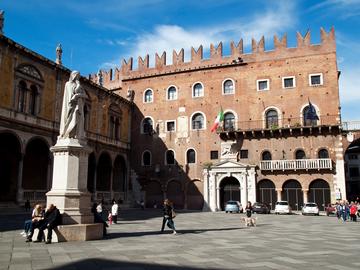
x: 42, y: 220
x: 347, y: 211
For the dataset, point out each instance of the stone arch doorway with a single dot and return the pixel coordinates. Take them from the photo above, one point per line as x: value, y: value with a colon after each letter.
x: 10, y: 154
x: 319, y: 192
x: 352, y: 168
x: 103, y: 177
x: 35, y: 168
x: 266, y: 193
x: 154, y: 195
x: 119, y: 178
x: 292, y: 193
x: 175, y: 194
x: 195, y: 199
x: 229, y: 190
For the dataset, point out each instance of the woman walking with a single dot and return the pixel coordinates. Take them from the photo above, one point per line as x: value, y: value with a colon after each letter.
x: 248, y: 209
x: 169, y: 215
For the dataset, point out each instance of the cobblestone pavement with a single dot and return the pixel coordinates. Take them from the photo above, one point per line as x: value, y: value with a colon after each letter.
x: 204, y: 241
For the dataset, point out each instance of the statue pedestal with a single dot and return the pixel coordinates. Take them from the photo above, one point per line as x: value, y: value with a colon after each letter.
x: 69, y: 184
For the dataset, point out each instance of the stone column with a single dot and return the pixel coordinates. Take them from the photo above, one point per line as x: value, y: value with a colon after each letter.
x: 218, y: 208
x: 20, y: 191
x: 244, y: 190
x: 212, y: 192
x: 206, y: 175
x: 278, y: 192
x: 305, y: 195
x: 69, y: 187
x: 251, y: 185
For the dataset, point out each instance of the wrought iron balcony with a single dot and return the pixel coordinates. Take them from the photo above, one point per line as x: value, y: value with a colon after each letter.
x: 296, y: 164
x: 232, y: 130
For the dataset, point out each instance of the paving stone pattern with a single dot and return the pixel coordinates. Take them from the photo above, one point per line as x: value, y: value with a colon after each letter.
x: 204, y: 241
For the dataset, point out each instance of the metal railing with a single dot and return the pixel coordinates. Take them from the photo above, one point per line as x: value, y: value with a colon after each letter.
x: 105, y: 139
x: 34, y: 195
x: 295, y: 122
x: 350, y: 125
x: 296, y: 164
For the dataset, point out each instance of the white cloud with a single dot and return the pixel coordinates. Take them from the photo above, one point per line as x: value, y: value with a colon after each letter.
x: 350, y: 85
x: 344, y: 9
x: 169, y: 37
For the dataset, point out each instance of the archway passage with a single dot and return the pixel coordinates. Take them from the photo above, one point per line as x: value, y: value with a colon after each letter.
x: 293, y: 194
x: 319, y: 192
x: 195, y: 199
x: 229, y: 190
x: 266, y: 193
x: 35, y: 168
x: 175, y: 194
x: 119, y: 178
x: 352, y: 170
x: 154, y: 195
x: 9, y: 165
x: 103, y: 177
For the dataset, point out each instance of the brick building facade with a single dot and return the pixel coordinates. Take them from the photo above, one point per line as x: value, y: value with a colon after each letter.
x: 280, y: 137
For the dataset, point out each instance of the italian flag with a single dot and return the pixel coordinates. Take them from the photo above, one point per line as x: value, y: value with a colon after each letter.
x: 218, y: 120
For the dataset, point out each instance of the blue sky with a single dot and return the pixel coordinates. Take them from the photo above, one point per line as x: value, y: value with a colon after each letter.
x: 98, y: 34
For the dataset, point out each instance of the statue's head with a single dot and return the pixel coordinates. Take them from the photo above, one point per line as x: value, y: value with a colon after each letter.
x: 74, y: 75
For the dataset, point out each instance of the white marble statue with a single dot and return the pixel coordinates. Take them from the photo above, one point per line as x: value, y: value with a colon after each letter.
x: 59, y: 54
x: 72, y: 113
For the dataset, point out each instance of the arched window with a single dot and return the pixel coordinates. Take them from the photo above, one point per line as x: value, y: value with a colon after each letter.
x: 266, y: 155
x: 148, y: 96
x: 33, y: 100
x: 21, y: 96
x: 323, y: 153
x: 310, y: 117
x: 228, y: 87
x: 147, y: 126
x: 114, y: 118
x: 229, y: 121
x: 272, y: 119
x: 146, y: 158
x: 198, y: 90
x: 170, y: 157
x: 197, y: 121
x: 300, y: 154
x: 190, y: 156
x: 172, y: 93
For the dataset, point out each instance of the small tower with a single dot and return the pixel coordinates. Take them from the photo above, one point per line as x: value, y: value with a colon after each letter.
x: 100, y: 77
x: 1, y: 21
x: 58, y: 54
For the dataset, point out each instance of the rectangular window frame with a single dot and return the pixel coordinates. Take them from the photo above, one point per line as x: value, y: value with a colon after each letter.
x: 321, y: 79
x: 267, y: 85
x: 244, y: 154
x: 288, y: 77
x: 212, y: 154
x: 166, y: 125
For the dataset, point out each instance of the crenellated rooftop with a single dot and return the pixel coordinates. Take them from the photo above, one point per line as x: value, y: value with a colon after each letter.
x: 113, y: 77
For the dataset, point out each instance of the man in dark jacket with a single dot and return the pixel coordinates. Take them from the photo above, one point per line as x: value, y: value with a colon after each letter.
x: 52, y: 219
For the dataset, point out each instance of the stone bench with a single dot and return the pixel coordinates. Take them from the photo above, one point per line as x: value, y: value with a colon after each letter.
x: 74, y: 232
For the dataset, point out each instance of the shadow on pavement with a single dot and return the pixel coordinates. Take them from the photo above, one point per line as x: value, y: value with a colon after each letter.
x: 95, y: 264
x: 167, y: 231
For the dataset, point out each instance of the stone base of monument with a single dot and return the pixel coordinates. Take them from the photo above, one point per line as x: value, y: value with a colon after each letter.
x: 75, y: 232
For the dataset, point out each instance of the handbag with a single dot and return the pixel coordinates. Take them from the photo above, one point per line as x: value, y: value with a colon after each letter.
x: 173, y: 214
